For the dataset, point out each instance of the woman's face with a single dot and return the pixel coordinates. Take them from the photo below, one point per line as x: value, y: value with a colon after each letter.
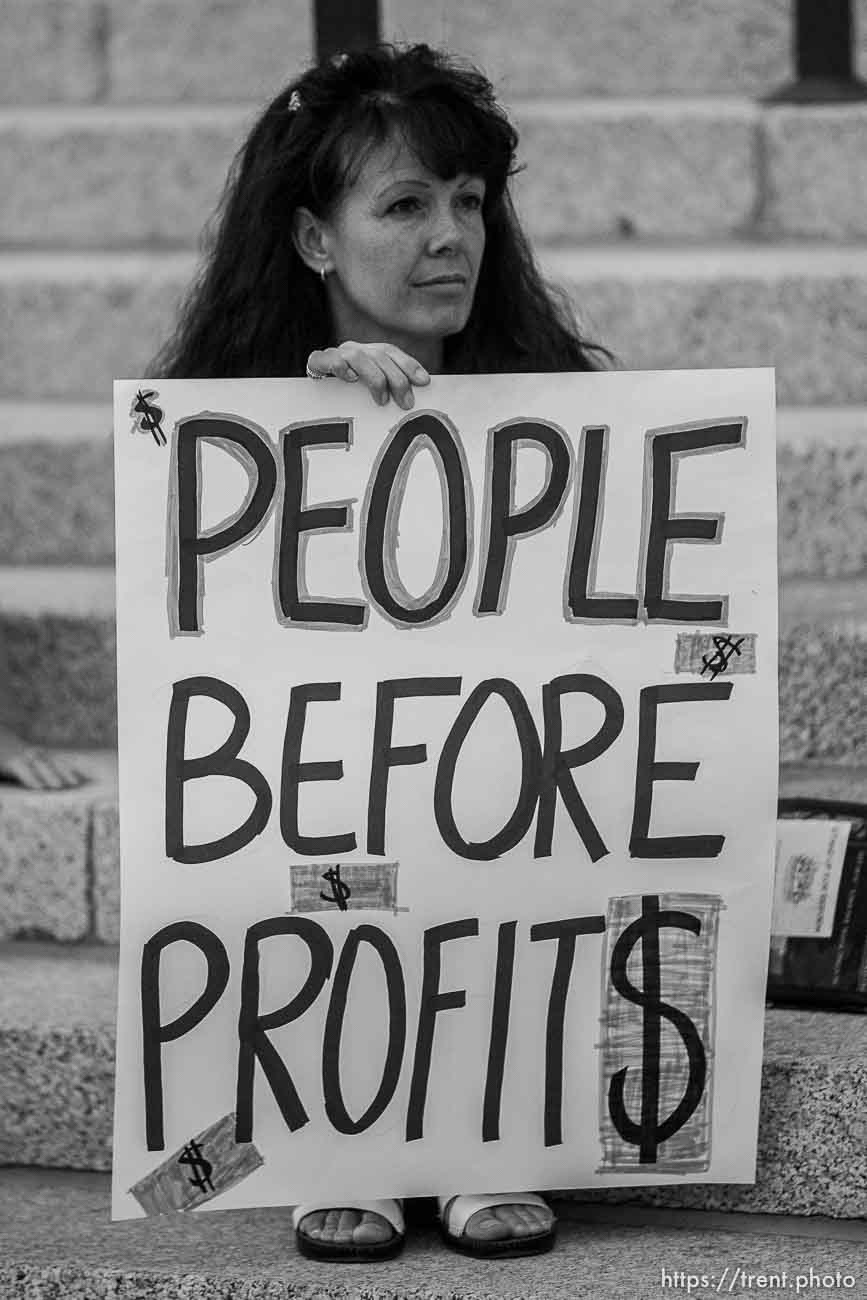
x: 404, y: 248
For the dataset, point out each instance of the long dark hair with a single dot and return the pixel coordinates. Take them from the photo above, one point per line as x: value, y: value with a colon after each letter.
x: 257, y: 309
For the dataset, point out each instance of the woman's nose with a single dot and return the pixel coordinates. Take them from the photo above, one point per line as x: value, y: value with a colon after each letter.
x: 446, y: 232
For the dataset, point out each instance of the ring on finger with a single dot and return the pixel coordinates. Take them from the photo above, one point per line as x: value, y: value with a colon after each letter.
x: 315, y: 374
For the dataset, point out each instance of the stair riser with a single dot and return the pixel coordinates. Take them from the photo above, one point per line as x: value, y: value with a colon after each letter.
x: 114, y: 182
x: 73, y: 334
x: 56, y: 505
x: 57, y: 1094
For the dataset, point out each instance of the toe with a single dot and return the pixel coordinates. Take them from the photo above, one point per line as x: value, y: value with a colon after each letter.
x: 346, y: 1227
x: 485, y: 1225
x: 503, y: 1221
x: 372, y: 1229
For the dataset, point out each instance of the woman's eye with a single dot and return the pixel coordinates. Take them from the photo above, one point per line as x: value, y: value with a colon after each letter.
x: 409, y: 204
x: 472, y: 201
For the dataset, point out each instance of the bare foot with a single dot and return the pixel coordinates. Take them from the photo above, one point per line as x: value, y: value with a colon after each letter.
x: 503, y: 1221
x: 347, y: 1227
x: 34, y: 768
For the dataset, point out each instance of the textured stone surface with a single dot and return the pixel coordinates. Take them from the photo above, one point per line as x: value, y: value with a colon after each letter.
x: 617, y: 47
x: 150, y: 177
x: 62, y: 664
x: 611, y: 47
x: 56, y: 493
x: 818, y: 780
x: 106, y: 871
x: 823, y: 672
x: 813, y: 778
x: 812, y: 1151
x: 57, y: 502
x: 52, y: 50
x: 598, y: 172
x: 111, y: 180
x: 54, y: 1008
x: 58, y: 630
x: 815, y: 171
x: 802, y: 313
x: 57, y: 1013
x: 56, y: 1240
x: 59, y: 856
x: 206, y: 49
x: 823, y: 693
x: 822, y: 508
x: 71, y: 325
x: 43, y: 864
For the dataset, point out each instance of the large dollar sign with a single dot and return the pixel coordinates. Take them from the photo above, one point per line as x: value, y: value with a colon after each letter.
x: 340, y: 891
x: 149, y: 415
x: 200, y: 1166
x: 650, y: 1131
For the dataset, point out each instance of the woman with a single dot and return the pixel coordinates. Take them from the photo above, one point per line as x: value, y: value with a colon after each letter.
x: 367, y: 234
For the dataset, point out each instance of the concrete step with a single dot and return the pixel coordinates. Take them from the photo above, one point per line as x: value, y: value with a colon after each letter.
x: 153, y: 51
x: 55, y: 1239
x: 678, y: 169
x: 56, y: 487
x: 59, y: 1240
x: 58, y: 627
x: 60, y: 854
x: 82, y: 320
x: 57, y: 1028
x: 150, y: 50
x: 616, y: 47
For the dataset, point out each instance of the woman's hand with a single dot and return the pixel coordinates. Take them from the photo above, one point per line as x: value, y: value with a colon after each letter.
x: 383, y: 368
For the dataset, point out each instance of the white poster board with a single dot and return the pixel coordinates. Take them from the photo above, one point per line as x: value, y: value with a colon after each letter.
x: 448, y: 780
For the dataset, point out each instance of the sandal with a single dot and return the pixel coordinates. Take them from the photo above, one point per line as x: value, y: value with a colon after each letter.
x: 350, y: 1252
x: 456, y: 1211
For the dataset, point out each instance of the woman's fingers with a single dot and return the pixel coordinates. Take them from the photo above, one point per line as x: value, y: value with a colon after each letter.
x: 414, y: 370
x: 399, y: 382
x: 332, y: 362
x: 384, y: 370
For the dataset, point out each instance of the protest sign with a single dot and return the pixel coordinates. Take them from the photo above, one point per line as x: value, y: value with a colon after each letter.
x: 448, y: 778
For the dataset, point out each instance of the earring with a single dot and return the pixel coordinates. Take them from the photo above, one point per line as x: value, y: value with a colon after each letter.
x: 322, y: 272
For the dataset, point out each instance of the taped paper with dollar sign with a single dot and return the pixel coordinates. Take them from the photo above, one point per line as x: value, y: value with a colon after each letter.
x: 658, y: 1023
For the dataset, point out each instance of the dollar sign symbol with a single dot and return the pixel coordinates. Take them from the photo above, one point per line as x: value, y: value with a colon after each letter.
x: 149, y: 415
x: 339, y: 890
x: 192, y: 1156
x: 650, y: 1132
x: 724, y: 649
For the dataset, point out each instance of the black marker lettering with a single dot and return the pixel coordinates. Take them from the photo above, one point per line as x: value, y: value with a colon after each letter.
x: 294, y: 772
x: 332, y: 1092
x: 385, y: 755
x: 253, y: 1041
x: 432, y: 1001
x: 298, y: 520
x: 648, y: 770
x: 222, y: 762
x: 187, y: 546
x: 506, y: 524
x: 154, y: 1034
x: 565, y: 932
x: 558, y: 764
x: 531, y: 762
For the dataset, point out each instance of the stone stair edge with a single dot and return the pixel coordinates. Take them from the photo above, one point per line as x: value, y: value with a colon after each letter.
x: 593, y: 259
x: 39, y: 992
x: 89, y: 590
x: 578, y: 107
x: 57, y: 1021
x: 807, y: 777
x: 62, y: 422
x: 602, y: 1253
x: 59, y: 860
